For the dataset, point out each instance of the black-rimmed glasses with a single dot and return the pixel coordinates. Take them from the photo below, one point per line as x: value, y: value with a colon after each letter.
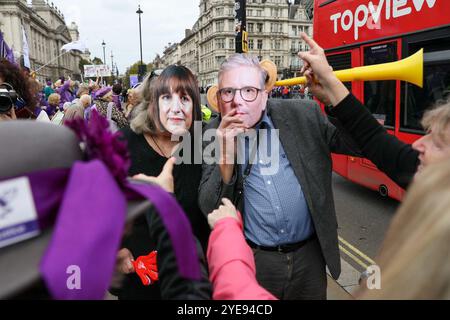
x: 249, y: 94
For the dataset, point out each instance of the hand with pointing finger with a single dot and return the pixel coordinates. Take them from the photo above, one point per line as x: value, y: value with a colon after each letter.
x: 319, y: 74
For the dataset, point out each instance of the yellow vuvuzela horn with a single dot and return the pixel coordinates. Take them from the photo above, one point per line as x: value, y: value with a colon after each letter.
x: 409, y: 69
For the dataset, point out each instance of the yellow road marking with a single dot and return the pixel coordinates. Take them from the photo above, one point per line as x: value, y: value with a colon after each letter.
x: 358, y: 252
x: 358, y: 261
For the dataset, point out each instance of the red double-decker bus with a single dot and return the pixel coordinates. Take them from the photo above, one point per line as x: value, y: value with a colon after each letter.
x: 365, y: 32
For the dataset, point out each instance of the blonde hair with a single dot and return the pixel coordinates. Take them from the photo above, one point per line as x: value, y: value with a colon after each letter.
x: 85, y: 98
x: 438, y: 119
x: 54, y: 99
x: 58, y: 83
x: 415, y: 258
x: 73, y: 112
x: 82, y: 90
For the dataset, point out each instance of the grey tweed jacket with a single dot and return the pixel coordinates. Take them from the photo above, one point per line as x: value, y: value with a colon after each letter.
x: 308, y: 138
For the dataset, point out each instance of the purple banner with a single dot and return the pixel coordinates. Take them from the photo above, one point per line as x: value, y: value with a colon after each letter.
x: 5, y: 51
x: 134, y: 80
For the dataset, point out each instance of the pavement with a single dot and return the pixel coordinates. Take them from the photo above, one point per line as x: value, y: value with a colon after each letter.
x: 347, y: 284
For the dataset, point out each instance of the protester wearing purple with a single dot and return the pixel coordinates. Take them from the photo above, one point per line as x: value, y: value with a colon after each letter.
x: 117, y: 91
x: 103, y: 100
x: 64, y: 90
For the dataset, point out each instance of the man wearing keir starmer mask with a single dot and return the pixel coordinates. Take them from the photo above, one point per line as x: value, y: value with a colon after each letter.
x: 286, y: 201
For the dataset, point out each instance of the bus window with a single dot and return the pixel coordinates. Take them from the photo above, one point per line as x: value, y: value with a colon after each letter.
x: 341, y: 61
x: 436, y: 85
x: 379, y: 96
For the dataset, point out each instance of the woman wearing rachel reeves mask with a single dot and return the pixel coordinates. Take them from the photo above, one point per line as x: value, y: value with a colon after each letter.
x: 170, y: 104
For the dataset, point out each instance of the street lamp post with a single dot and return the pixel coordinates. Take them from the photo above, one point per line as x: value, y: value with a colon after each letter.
x: 139, y: 12
x: 112, y: 64
x: 104, y: 55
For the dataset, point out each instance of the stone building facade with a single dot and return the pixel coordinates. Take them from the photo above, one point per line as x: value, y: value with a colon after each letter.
x: 46, y: 32
x: 273, y: 28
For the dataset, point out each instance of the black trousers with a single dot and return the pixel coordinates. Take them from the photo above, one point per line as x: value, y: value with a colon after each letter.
x: 297, y: 275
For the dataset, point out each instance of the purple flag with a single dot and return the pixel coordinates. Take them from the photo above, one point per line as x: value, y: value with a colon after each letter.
x: 5, y: 51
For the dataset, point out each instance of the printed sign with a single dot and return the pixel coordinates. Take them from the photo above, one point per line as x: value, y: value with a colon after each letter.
x: 96, y: 70
x: 18, y: 217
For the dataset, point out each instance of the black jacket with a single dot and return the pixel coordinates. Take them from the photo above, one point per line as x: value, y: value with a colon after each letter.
x: 398, y: 160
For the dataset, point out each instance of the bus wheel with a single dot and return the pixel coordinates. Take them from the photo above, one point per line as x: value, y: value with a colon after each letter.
x: 383, y: 190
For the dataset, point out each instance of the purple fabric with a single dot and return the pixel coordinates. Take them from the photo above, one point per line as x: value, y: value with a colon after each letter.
x: 177, y: 225
x: 51, y: 110
x: 48, y: 190
x: 5, y: 51
x: 116, y: 100
x: 64, y: 92
x: 101, y: 92
x: 88, y: 234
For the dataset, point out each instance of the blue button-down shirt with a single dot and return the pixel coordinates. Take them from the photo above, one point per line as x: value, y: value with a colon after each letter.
x: 275, y: 208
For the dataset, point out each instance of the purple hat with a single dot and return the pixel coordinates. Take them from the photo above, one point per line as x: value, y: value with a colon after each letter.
x: 102, y: 92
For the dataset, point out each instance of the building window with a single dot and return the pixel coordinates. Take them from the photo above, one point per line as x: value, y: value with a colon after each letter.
x: 295, y: 62
x: 219, y: 11
x: 250, y: 44
x: 250, y: 27
x: 219, y: 26
x: 259, y: 13
x: 259, y: 27
x: 278, y: 61
x: 231, y: 44
x: 260, y: 44
x: 307, y: 30
x: 277, y: 44
x: 220, y: 43
x: 276, y: 27
x: 249, y: 13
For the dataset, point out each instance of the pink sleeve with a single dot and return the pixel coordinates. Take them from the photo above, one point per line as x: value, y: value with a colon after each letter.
x: 231, y: 264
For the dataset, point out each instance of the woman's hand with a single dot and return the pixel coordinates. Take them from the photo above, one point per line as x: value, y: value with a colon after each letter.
x: 124, y: 262
x: 165, y: 178
x: 320, y: 77
x: 227, y: 210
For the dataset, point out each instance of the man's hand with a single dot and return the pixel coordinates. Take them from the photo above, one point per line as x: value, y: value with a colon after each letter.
x: 227, y: 210
x: 230, y: 127
x: 165, y: 178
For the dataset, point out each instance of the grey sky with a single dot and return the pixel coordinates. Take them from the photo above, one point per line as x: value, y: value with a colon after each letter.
x: 116, y: 21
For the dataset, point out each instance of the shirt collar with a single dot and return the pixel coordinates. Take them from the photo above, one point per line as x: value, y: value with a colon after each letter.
x: 265, y: 119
